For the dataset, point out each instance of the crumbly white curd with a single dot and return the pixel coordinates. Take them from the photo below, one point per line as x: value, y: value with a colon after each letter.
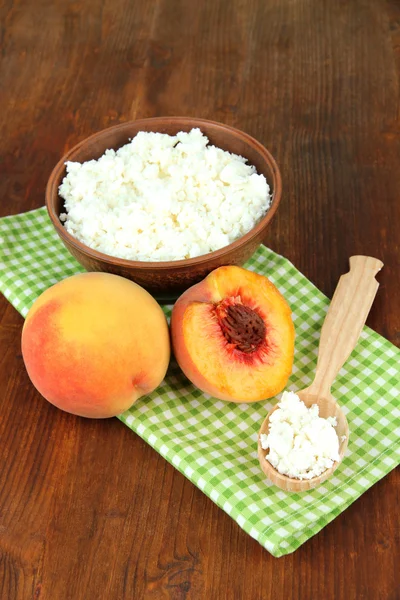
x: 163, y: 197
x: 301, y: 444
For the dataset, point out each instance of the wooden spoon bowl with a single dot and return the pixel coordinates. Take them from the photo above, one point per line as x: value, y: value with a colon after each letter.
x: 328, y: 407
x: 342, y: 327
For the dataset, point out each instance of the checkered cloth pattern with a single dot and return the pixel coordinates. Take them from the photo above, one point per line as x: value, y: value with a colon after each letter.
x: 214, y: 443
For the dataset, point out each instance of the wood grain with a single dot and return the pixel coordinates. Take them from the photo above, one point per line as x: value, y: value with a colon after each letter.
x: 87, y: 509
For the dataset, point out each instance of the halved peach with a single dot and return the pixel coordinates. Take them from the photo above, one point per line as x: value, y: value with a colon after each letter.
x: 233, y: 335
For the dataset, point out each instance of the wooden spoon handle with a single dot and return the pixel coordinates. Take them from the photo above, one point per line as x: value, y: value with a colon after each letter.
x: 345, y: 319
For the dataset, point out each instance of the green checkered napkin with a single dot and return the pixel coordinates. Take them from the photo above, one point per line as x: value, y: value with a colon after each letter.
x: 214, y: 443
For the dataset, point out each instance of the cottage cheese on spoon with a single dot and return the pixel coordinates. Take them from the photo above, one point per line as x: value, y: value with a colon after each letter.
x: 301, y: 444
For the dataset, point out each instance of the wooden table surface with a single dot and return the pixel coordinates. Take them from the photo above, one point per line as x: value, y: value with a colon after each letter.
x: 87, y: 509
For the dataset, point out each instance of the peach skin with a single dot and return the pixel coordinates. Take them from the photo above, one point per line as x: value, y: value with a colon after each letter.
x: 233, y: 335
x: 94, y: 343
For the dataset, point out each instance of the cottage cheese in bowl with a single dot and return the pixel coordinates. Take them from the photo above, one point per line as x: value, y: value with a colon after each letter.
x: 163, y: 198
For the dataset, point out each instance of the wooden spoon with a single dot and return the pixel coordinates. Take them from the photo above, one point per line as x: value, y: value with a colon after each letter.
x: 342, y: 327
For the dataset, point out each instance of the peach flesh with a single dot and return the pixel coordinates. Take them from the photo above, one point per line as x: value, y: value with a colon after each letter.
x: 233, y: 336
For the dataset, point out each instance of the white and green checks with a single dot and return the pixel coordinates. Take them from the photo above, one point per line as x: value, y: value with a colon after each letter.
x: 214, y: 443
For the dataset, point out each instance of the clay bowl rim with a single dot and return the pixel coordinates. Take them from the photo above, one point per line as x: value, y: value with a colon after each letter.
x: 56, y: 175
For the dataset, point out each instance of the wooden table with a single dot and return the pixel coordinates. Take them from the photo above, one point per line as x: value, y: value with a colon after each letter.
x: 87, y: 509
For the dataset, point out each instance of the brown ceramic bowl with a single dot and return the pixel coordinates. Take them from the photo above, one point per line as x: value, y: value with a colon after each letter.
x: 166, y: 280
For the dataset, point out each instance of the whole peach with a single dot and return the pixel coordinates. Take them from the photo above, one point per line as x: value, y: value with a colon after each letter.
x: 94, y: 343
